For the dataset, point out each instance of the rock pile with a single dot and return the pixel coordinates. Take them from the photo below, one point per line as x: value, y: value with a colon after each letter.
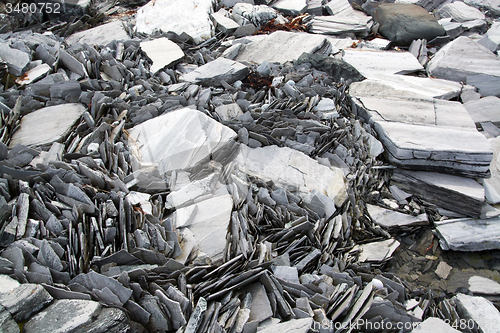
x: 248, y: 167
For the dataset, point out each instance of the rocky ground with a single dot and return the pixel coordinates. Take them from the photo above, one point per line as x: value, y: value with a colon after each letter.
x: 255, y: 166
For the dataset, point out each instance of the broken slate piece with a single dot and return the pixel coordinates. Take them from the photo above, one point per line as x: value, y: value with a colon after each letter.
x: 388, y: 218
x: 443, y: 270
x: 100, y: 35
x: 162, y: 51
x: 16, y: 60
x: 293, y: 325
x: 63, y: 316
x: 469, y: 234
x: 460, y: 12
x: 229, y: 111
x: 290, y: 7
x: 402, y: 23
x: 190, y: 134
x: 484, y: 110
x: 223, y: 23
x: 47, y: 125
x: 371, y: 63
x: 378, y: 251
x: 483, y: 286
x: 25, y: 300
x: 220, y: 69
x: 33, y: 74
x: 479, y: 309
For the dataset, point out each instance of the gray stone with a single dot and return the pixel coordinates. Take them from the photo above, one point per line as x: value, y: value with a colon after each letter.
x: 201, y: 136
x: 388, y: 218
x: 72, y: 63
x: 290, y: 7
x: 479, y: 309
x: 245, y: 13
x: 493, y: 33
x: 493, y: 6
x: 293, y: 325
x: 463, y: 58
x: 59, y: 293
x: 109, y: 320
x: 487, y: 85
x: 484, y: 110
x: 158, y: 321
x: 433, y: 324
x: 483, y: 286
x: 25, y: 300
x: 261, y: 307
x: 16, y: 60
x: 371, y: 63
x: 215, y: 71
x: 343, y: 20
x: 7, y: 284
x: 469, y: 234
x: 401, y: 23
x: 162, y: 52
x: 378, y: 251
x: 283, y: 46
x: 174, y: 310
x: 7, y: 324
x: 224, y: 23
x: 63, y: 316
x: 137, y: 312
x: 460, y: 12
x: 336, y: 68
x: 93, y: 280
x: 229, y: 111
x: 47, y: 125
x: 179, y: 16
x: 100, y: 35
x: 33, y: 74
x: 288, y: 274
x: 196, y: 316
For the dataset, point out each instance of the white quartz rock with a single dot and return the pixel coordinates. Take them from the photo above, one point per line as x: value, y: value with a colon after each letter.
x: 189, y: 16
x: 176, y: 140
x: 294, y: 170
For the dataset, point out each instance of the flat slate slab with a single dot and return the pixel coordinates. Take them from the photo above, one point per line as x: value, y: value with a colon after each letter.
x: 479, y: 309
x: 433, y: 324
x: 294, y: 170
x: 177, y: 140
x: 162, y: 51
x: 463, y: 58
x: 370, y: 63
x: 47, y: 125
x: 388, y: 218
x: 290, y: 7
x: 469, y: 234
x: 100, y: 35
x: 212, y: 73
x: 484, y: 110
x: 378, y: 251
x: 403, y: 86
x: 446, y: 149
x: 281, y: 46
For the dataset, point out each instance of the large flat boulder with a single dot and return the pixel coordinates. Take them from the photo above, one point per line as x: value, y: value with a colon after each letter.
x: 469, y: 234
x: 100, y: 35
x: 176, y: 140
x: 47, y: 125
x: 401, y: 23
x: 464, y: 58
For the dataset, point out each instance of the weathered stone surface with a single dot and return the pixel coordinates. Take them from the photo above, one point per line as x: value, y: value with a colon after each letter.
x: 180, y: 16
x: 208, y: 221
x: 7, y: 284
x: 17, y: 60
x: 201, y: 136
x: 63, y: 316
x: 463, y: 58
x: 483, y: 286
x: 460, y: 12
x: 378, y: 251
x: 33, y: 74
x: 7, y: 324
x: 229, y: 111
x: 337, y: 68
x: 388, y: 218
x: 345, y: 21
x: 469, y: 234
x: 293, y: 325
x: 433, y: 324
x: 290, y: 7
x: 219, y: 69
x: 482, y: 311
x: 25, y: 300
x: 401, y: 23
x: 491, y: 5
x: 246, y: 13
x: 402, y: 86
x: 282, y: 46
x: 371, y: 63
x: 162, y: 51
x: 261, y: 308
x: 224, y: 23
x: 484, y: 110
x: 449, y: 149
x: 93, y: 280
x: 47, y: 125
x: 100, y: 35
x: 294, y: 170
x: 109, y: 320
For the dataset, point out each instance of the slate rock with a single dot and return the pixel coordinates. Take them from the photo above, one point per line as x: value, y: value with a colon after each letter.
x: 17, y: 60
x: 293, y: 325
x: 460, y: 12
x: 162, y: 52
x: 215, y: 71
x: 484, y: 110
x: 25, y: 300
x: 110, y: 320
x: 7, y: 324
x: 290, y: 7
x: 158, y: 321
x: 63, y: 316
x: 402, y: 23
x: 479, y: 309
x: 93, y: 280
x: 100, y: 35
x: 336, y: 68
x: 469, y: 234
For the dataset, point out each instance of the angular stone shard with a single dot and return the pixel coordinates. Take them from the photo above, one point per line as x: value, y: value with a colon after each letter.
x: 162, y: 51
x: 215, y: 71
x: 479, y: 309
x: 401, y: 23
x: 224, y: 23
x: 464, y: 152
x: 290, y: 7
x: 460, y: 12
x: 378, y: 251
x: 63, y: 316
x: 93, y: 280
x: 388, y: 218
x: 33, y: 74
x: 180, y: 16
x: 469, y: 234
x: 484, y: 110
x: 100, y: 35
x: 177, y: 140
x: 463, y: 58
x: 47, y: 125
x: 16, y: 60
x: 345, y: 21
x: 283, y: 46
x: 294, y: 170
x: 484, y: 286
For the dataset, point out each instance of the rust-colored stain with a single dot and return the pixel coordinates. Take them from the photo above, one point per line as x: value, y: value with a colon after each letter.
x: 293, y: 24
